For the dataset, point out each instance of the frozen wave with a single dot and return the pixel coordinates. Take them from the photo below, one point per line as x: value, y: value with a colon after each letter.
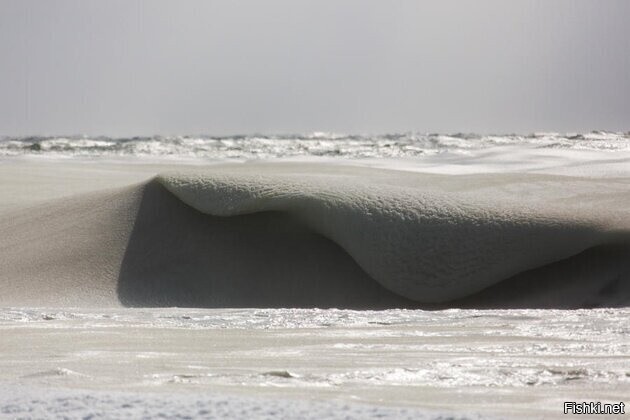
x: 432, y: 238
x: 314, y: 235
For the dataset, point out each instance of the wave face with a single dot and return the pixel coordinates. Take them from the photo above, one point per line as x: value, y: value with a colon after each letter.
x: 324, y: 235
x: 439, y: 238
x: 178, y: 256
x: 256, y: 147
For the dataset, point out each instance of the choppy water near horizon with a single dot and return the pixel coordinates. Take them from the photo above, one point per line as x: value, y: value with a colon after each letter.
x: 330, y: 145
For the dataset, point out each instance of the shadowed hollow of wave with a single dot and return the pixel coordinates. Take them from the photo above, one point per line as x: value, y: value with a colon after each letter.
x: 178, y: 256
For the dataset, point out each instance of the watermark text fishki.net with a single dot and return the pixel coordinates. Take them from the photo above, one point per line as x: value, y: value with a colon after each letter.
x: 572, y: 407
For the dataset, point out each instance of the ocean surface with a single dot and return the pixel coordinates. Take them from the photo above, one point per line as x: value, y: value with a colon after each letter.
x: 309, y: 364
x: 314, y: 276
x: 260, y: 147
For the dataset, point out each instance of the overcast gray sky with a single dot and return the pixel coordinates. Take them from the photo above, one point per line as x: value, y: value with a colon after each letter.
x: 129, y: 67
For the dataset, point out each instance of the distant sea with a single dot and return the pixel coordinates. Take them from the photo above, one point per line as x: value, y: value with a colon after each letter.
x: 333, y: 145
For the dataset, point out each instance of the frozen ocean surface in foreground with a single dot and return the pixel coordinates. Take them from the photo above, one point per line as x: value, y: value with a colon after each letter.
x: 44, y: 403
x: 257, y: 363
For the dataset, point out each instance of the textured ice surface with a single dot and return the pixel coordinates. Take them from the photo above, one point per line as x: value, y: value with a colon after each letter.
x: 429, y: 238
x: 320, y: 235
